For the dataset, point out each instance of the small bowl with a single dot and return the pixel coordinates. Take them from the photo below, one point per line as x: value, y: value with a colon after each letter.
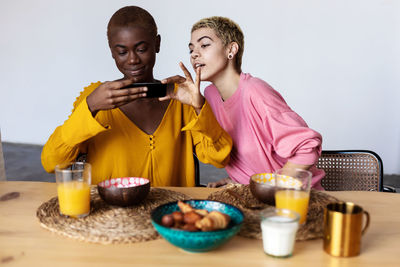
x: 198, y: 241
x: 124, y: 191
x: 262, y: 187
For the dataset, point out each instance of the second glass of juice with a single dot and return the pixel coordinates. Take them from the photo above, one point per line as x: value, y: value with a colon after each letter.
x: 293, y: 191
x: 73, y: 188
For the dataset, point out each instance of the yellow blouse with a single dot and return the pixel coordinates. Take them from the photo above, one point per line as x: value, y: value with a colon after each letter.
x: 116, y: 147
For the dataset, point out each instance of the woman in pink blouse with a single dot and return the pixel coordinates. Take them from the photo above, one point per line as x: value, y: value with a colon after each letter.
x: 267, y: 135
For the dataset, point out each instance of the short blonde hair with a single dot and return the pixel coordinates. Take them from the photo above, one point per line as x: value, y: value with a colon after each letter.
x: 228, y: 31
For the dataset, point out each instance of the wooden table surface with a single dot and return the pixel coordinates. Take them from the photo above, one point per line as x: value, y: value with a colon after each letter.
x: 23, y: 242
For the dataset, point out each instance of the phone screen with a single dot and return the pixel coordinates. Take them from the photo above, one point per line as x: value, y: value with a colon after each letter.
x: 153, y: 89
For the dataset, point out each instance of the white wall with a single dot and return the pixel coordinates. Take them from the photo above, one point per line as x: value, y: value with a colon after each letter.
x: 336, y: 62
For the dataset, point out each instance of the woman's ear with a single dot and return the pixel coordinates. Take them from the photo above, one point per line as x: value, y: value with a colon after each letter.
x: 233, y: 48
x: 158, y: 43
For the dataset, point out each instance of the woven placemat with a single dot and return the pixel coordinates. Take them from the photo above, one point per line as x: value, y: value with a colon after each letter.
x: 108, y: 224
x: 251, y: 226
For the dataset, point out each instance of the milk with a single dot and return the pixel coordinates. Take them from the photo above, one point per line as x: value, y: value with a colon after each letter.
x: 278, y: 234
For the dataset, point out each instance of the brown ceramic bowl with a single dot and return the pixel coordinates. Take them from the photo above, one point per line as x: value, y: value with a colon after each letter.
x: 124, y: 191
x: 262, y: 187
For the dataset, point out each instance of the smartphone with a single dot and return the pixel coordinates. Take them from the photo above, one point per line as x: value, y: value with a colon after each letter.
x: 153, y: 89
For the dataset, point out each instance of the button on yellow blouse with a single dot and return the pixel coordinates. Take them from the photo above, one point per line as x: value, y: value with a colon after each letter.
x: 116, y: 147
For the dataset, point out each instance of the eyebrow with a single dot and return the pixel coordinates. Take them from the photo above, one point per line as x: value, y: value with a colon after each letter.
x: 201, y: 38
x: 136, y: 45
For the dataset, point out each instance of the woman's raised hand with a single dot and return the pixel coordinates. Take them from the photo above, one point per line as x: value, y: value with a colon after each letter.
x: 109, y: 95
x: 188, y: 91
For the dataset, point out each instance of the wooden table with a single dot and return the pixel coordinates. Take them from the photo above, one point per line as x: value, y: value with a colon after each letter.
x: 23, y: 242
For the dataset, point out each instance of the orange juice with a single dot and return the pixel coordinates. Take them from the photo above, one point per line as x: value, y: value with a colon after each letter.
x: 295, y: 200
x: 74, y: 198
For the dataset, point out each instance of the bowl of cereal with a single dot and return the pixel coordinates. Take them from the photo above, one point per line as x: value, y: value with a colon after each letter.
x: 262, y: 187
x: 124, y: 191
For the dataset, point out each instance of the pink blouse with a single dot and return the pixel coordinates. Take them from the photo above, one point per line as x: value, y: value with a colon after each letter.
x: 266, y: 133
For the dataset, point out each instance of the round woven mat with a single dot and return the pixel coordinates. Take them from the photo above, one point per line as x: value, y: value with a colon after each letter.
x: 108, y: 224
x: 251, y: 226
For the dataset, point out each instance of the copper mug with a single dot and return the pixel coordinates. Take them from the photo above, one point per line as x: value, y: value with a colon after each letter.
x: 343, y: 228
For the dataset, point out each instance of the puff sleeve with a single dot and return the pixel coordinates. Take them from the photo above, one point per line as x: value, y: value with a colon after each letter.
x: 292, y: 139
x: 212, y: 144
x: 68, y: 140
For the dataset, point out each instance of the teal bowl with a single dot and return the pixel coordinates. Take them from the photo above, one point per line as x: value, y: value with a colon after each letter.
x: 198, y: 241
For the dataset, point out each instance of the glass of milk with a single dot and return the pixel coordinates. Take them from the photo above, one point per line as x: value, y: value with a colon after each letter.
x: 279, y: 227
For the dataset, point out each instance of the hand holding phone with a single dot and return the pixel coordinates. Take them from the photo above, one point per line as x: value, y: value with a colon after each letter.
x: 153, y: 89
x: 109, y: 96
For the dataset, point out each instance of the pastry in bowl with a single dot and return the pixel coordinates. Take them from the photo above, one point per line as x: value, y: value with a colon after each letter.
x: 204, y: 226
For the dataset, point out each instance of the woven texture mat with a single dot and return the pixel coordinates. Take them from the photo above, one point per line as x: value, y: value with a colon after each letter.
x: 251, y: 226
x: 108, y: 224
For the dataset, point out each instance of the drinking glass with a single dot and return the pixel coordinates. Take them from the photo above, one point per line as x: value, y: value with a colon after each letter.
x: 293, y: 190
x: 73, y: 188
x: 279, y: 227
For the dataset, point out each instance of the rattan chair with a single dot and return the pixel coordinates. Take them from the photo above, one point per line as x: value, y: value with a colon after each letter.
x: 351, y: 170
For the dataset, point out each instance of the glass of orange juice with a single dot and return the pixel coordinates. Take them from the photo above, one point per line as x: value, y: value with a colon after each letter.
x: 293, y: 191
x: 73, y: 188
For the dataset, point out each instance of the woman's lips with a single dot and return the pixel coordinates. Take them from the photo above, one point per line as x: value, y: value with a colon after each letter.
x: 136, y: 72
x: 198, y: 65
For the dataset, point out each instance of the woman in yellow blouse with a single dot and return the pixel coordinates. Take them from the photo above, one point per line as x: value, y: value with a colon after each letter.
x: 125, y: 134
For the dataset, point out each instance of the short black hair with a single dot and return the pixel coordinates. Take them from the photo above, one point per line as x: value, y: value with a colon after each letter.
x: 132, y: 16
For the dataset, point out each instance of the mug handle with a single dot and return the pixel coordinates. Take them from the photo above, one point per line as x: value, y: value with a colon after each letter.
x: 366, y: 224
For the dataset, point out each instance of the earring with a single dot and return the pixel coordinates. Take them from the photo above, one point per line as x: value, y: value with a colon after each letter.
x: 230, y: 56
